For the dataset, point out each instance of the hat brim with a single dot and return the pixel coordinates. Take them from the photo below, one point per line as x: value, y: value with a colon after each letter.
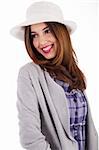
x: 18, y: 31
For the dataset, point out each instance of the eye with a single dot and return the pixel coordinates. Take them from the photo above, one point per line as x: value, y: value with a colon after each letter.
x: 34, y: 36
x: 47, y: 30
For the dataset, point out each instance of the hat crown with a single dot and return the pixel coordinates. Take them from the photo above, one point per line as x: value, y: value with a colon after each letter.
x: 45, y: 10
x: 42, y: 12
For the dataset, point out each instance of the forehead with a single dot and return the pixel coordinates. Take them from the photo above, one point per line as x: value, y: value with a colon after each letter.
x: 38, y: 27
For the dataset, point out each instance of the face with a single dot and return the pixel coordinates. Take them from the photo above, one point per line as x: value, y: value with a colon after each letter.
x: 43, y: 40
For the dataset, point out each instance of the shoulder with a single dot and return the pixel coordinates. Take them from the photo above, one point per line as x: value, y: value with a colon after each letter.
x: 29, y: 69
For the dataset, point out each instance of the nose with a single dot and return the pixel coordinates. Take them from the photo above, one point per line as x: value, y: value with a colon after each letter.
x: 42, y: 40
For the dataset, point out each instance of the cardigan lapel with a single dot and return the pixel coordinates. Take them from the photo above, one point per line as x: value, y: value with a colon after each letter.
x: 60, y: 102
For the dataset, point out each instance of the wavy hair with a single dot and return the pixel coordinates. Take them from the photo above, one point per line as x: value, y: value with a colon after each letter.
x: 64, y: 65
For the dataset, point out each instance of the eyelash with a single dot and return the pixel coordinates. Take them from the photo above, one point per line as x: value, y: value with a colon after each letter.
x: 46, y: 32
x: 33, y: 36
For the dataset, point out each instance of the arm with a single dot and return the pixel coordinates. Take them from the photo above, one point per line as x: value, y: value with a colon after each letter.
x: 29, y: 118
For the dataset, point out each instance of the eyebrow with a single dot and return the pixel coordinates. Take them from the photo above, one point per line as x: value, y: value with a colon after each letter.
x: 42, y: 29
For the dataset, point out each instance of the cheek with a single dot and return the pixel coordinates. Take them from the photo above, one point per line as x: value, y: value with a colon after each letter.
x: 35, y: 44
x: 53, y: 39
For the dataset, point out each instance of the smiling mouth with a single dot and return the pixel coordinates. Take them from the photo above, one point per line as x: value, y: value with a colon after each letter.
x: 47, y: 49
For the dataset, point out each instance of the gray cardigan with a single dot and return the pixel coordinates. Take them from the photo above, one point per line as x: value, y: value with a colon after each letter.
x: 44, y: 115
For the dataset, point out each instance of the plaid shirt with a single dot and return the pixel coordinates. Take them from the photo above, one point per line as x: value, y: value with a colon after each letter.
x: 78, y: 111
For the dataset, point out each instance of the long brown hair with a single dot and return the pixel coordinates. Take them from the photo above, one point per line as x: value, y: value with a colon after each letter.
x: 64, y: 65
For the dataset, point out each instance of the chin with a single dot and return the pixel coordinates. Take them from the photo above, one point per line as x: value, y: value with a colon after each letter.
x: 51, y: 56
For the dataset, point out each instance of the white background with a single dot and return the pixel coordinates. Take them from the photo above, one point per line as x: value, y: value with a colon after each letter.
x: 13, y: 55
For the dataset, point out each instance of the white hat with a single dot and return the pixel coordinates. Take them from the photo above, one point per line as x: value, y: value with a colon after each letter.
x: 42, y: 12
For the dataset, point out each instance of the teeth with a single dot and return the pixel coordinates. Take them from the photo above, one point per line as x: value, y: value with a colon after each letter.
x: 47, y: 48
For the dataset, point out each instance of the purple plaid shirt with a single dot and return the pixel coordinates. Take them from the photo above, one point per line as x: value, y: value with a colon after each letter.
x: 78, y: 111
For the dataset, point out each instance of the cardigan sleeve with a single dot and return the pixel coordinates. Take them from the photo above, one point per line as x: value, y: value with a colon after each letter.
x: 31, y: 137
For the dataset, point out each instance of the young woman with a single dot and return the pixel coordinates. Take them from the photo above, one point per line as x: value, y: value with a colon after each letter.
x: 54, y: 113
